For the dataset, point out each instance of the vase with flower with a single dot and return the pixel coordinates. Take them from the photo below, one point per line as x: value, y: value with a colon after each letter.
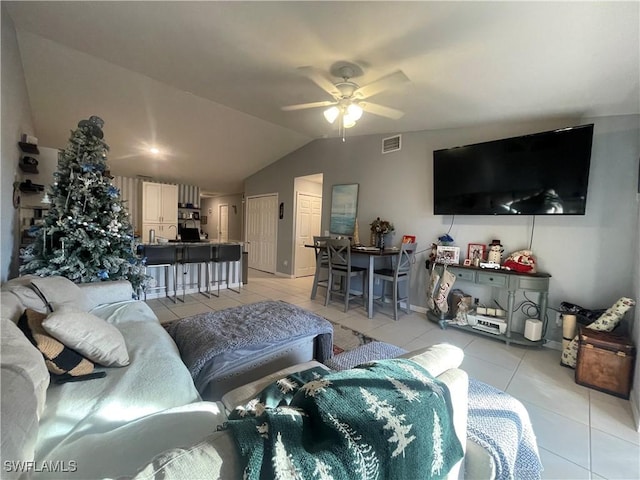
x: 380, y: 228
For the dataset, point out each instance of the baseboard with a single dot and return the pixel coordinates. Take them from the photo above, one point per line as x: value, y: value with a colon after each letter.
x: 283, y: 275
x: 635, y: 401
x: 418, y: 308
x: 553, y: 345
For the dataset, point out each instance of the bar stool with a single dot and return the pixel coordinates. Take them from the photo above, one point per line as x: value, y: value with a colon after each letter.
x: 322, y: 264
x: 196, y: 254
x: 226, y: 253
x: 160, y: 256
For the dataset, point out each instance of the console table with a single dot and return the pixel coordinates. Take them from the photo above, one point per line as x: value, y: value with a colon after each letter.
x: 505, y: 280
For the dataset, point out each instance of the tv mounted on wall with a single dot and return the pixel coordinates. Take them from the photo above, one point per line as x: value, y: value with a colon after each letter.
x: 543, y: 173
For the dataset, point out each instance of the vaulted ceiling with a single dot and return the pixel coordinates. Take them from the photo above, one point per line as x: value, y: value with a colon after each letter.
x: 205, y: 81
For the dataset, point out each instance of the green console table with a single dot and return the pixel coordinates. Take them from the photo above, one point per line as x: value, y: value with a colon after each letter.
x: 505, y: 280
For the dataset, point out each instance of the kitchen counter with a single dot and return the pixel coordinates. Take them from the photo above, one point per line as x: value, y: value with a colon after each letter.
x: 181, y: 255
x: 179, y: 243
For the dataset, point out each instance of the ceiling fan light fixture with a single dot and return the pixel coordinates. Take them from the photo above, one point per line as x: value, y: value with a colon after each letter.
x: 348, y: 122
x: 354, y: 112
x: 330, y: 114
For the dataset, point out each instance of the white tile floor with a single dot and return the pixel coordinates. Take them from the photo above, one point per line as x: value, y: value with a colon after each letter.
x: 582, y: 433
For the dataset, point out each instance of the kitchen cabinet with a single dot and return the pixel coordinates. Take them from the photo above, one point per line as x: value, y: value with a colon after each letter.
x: 159, y: 208
x: 159, y: 203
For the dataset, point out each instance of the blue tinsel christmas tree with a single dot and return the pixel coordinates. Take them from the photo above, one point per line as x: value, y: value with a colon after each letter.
x: 87, y: 235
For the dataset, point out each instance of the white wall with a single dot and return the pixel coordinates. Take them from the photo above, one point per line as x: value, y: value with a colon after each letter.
x: 590, y: 257
x: 16, y: 119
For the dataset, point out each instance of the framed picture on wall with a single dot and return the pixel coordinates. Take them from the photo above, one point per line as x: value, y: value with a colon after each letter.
x: 344, y: 209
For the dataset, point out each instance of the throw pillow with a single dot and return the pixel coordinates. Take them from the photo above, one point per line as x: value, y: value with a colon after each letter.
x: 58, y: 358
x: 59, y: 291
x: 89, y: 335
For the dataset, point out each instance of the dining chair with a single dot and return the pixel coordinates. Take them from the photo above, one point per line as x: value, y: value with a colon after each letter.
x: 339, y: 253
x: 322, y: 265
x: 400, y: 272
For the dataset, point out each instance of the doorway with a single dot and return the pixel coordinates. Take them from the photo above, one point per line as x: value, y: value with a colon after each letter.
x: 223, y: 222
x: 262, y: 230
x: 308, y: 220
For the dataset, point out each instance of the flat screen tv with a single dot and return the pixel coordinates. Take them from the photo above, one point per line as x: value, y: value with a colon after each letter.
x: 543, y: 173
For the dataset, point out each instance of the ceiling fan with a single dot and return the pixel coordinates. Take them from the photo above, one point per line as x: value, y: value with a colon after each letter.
x: 348, y: 103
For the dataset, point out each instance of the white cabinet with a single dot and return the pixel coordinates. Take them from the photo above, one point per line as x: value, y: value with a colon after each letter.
x: 159, y: 210
x: 159, y: 203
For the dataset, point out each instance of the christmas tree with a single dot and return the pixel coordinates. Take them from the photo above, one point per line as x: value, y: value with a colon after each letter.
x: 86, y: 235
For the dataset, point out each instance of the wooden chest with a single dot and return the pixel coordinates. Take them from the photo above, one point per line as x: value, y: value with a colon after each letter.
x: 605, y: 362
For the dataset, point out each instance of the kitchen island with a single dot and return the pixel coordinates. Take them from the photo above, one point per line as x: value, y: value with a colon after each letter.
x: 191, y: 267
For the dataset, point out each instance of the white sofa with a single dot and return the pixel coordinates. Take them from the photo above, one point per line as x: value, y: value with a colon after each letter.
x: 144, y: 420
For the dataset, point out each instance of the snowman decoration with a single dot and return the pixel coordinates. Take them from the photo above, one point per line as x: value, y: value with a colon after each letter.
x: 495, y: 252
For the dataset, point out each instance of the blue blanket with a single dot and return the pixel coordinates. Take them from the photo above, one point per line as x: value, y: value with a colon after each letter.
x: 500, y: 424
x: 203, y: 337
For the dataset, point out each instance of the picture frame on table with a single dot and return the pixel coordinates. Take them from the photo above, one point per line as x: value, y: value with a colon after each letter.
x: 447, y: 255
x: 408, y: 239
x: 467, y: 262
x: 476, y: 251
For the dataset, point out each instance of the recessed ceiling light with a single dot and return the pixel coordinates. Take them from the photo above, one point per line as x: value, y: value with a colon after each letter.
x: 154, y: 150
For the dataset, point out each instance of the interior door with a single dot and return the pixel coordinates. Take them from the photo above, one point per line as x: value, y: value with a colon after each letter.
x: 223, y: 223
x: 262, y: 224
x: 308, y: 218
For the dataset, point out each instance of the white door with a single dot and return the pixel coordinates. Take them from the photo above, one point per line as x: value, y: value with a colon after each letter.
x: 223, y: 223
x: 262, y: 224
x: 308, y: 217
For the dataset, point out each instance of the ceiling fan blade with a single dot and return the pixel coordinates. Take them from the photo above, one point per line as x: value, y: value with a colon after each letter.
x: 302, y: 106
x: 381, y: 110
x: 319, y: 78
x: 388, y: 81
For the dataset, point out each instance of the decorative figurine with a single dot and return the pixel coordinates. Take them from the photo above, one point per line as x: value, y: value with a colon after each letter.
x: 495, y: 252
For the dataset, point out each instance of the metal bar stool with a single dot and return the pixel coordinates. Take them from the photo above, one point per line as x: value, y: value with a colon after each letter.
x: 164, y: 256
x: 196, y: 254
x: 226, y: 253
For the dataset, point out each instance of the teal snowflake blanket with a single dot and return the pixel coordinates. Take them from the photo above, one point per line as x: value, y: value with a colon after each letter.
x: 384, y: 419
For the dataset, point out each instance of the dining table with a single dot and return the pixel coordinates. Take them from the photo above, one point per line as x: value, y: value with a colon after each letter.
x: 372, y: 254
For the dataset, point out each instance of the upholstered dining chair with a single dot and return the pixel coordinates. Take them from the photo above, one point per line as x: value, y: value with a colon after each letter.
x: 320, y: 278
x: 339, y: 252
x: 400, y: 272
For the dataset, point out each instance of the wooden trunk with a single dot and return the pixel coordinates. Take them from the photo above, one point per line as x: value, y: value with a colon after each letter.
x: 605, y: 362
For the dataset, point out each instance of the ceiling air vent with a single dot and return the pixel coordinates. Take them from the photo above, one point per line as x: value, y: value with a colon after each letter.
x: 391, y: 144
